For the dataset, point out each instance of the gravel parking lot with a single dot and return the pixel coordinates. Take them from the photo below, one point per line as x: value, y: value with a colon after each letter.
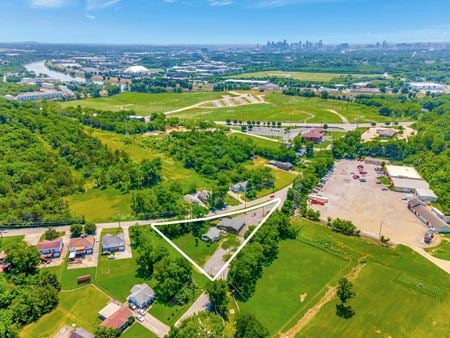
x: 368, y: 206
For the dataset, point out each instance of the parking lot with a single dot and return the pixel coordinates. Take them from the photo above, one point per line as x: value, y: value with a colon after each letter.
x: 370, y: 207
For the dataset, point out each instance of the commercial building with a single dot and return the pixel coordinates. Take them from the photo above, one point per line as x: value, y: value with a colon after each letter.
x: 407, y: 179
x: 232, y: 224
x: 427, y: 86
x: 426, y: 195
x: 426, y: 215
x: 315, y: 135
x: 402, y: 172
x: 408, y: 184
x: 34, y: 96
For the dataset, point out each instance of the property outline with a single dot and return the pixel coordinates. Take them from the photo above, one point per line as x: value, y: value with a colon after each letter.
x: 276, y: 201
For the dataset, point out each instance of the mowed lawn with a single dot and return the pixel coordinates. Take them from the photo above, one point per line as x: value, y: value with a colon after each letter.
x: 386, y: 307
x: 303, y: 76
x: 290, y: 109
x: 79, y: 307
x: 137, y: 331
x: 398, y: 292
x: 198, y: 250
x: 257, y: 141
x: 144, y: 103
x: 300, y: 269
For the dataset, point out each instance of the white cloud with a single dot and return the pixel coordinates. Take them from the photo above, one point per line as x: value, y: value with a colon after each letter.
x: 280, y: 3
x: 48, y: 3
x: 99, y: 4
x: 220, y: 3
x: 89, y: 16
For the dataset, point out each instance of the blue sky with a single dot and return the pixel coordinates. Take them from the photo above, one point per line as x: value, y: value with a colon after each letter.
x: 223, y: 21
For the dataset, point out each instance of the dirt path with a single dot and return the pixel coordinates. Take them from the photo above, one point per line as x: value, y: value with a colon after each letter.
x: 343, y: 118
x: 312, y: 312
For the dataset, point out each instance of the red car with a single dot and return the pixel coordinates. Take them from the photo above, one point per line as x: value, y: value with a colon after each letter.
x: 355, y: 177
x: 272, y: 196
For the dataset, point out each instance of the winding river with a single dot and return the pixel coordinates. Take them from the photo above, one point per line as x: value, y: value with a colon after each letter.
x: 39, y: 67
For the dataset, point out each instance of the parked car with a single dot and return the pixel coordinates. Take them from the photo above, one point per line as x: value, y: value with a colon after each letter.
x: 272, y: 196
x: 355, y: 177
x: 132, y: 306
x: 140, y: 318
x: 141, y: 312
x: 429, y: 235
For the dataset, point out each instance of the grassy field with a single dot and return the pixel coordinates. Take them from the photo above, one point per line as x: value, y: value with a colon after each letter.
x: 257, y: 141
x: 442, y: 251
x: 79, y: 307
x: 395, y: 291
x: 290, y: 109
x: 303, y: 76
x: 145, y: 104
x: 198, y: 250
x: 137, y: 331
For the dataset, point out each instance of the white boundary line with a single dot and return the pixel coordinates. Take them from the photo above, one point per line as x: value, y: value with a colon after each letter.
x: 277, y: 202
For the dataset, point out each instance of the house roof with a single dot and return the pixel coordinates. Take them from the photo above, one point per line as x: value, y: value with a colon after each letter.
x: 235, y: 223
x: 212, y: 233
x: 315, y: 133
x: 82, y: 242
x: 109, y: 310
x: 429, y: 216
x: 118, y: 319
x: 81, y: 333
x: 240, y: 185
x: 47, y: 245
x: 109, y: 239
x: 409, y: 183
x: 142, y: 292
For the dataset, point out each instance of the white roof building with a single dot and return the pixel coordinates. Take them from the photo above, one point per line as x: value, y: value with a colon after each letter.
x: 426, y: 195
x: 402, y: 172
x: 109, y: 310
x: 136, y: 70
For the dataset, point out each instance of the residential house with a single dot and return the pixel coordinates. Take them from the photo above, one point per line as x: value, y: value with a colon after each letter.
x: 213, y: 235
x: 141, y: 295
x: 81, y: 246
x: 109, y: 310
x: 203, y: 196
x: 113, y: 243
x: 232, y: 224
x: 80, y: 333
x: 239, y: 187
x: 118, y: 320
x: 386, y: 132
x: 282, y: 165
x: 51, y: 249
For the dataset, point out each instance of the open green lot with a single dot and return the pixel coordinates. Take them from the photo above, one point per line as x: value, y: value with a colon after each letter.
x: 303, y: 76
x: 105, y: 205
x: 257, y: 141
x: 442, y: 251
x: 290, y: 109
x: 198, y: 250
x: 79, y: 307
x: 398, y: 292
x: 144, y: 103
x: 137, y: 331
x: 5, y: 241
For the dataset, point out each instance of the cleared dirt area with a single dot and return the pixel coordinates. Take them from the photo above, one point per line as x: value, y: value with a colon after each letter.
x: 368, y: 206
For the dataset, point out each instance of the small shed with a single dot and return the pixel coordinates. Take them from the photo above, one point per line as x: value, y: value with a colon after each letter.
x: 213, y: 235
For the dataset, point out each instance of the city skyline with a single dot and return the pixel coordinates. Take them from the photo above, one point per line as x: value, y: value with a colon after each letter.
x: 223, y: 21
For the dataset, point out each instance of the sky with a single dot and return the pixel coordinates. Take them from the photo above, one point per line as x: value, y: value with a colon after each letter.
x: 162, y: 22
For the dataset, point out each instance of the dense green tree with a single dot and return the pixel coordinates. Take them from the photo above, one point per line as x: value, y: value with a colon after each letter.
x: 76, y: 230
x: 247, y: 326
x: 172, y: 277
x: 90, y: 228
x: 106, y: 332
x: 218, y: 296
x: 50, y: 234
x: 23, y: 258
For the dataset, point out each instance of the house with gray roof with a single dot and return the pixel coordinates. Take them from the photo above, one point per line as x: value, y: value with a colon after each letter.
x: 232, y: 224
x: 113, y: 243
x: 238, y: 187
x: 213, y: 235
x: 81, y: 333
x: 141, y: 295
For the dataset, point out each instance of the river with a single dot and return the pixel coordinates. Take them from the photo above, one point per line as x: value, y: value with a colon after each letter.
x: 39, y: 67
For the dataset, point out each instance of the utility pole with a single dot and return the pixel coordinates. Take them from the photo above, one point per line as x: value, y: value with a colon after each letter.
x: 118, y: 217
x: 381, y: 227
